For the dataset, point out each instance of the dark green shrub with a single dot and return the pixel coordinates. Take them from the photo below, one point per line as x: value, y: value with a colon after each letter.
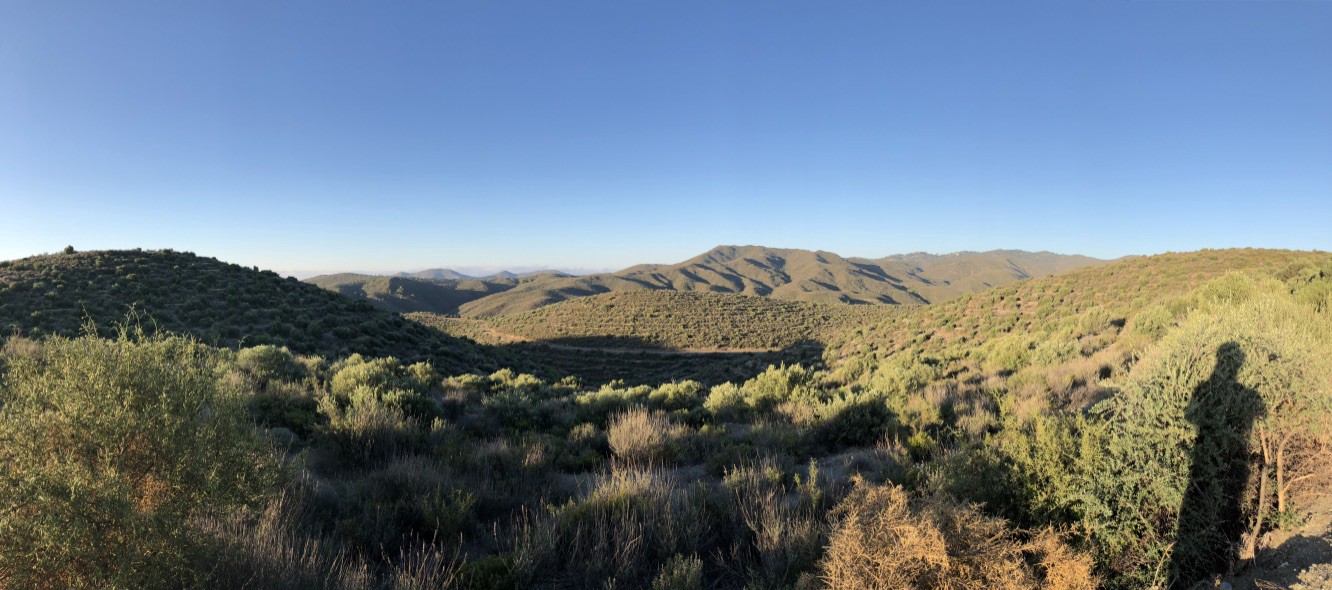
x: 262, y: 364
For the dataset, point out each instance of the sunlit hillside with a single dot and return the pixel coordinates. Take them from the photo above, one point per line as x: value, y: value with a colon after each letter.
x: 1124, y: 426
x: 686, y: 320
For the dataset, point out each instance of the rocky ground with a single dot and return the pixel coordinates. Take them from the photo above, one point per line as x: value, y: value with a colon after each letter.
x: 1300, y: 559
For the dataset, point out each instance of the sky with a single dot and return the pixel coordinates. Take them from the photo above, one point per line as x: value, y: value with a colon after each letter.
x: 385, y: 136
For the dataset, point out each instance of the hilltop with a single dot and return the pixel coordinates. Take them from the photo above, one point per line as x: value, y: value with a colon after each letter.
x: 796, y: 275
x: 221, y: 303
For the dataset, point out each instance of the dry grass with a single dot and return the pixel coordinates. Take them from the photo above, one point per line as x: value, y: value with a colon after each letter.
x: 640, y: 436
x: 884, y: 539
x: 268, y: 550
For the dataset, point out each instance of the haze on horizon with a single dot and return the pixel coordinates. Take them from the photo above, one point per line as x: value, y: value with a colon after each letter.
x: 308, y: 137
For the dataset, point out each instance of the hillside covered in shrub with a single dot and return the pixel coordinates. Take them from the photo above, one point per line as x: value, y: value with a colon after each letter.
x: 684, y: 320
x: 414, y: 294
x: 219, y: 303
x: 1138, y: 425
x: 796, y: 275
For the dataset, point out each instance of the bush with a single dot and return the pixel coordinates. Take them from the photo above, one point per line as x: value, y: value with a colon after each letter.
x: 262, y: 364
x: 883, y: 539
x: 287, y: 409
x: 111, y: 448
x: 680, y: 573
x: 1191, y: 442
x: 631, y: 522
x: 639, y: 436
x: 725, y: 402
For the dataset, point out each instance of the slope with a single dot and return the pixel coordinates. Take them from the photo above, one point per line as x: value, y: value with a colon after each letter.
x: 1074, y: 314
x: 684, y: 320
x: 220, y: 303
x: 406, y: 295
x: 795, y: 275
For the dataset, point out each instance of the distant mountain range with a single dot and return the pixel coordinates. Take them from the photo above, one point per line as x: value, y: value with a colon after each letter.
x: 786, y: 274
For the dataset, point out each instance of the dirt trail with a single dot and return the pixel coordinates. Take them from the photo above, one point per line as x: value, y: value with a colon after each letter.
x: 510, y: 337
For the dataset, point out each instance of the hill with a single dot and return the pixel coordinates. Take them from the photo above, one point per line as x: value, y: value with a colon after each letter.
x: 224, y: 304
x: 406, y: 295
x: 1093, y: 306
x: 1123, y: 426
x: 795, y: 275
x: 601, y: 359
x: 435, y: 274
x: 684, y: 320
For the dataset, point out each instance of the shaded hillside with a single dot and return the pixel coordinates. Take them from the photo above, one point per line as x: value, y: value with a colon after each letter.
x: 795, y: 275
x: 406, y: 295
x: 594, y: 361
x: 684, y: 320
x: 219, y: 302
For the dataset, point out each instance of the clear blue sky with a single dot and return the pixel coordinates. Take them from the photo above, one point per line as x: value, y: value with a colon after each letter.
x: 399, y: 135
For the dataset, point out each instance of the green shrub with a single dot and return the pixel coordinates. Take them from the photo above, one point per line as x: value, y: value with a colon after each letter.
x: 726, y: 402
x: 681, y: 572
x: 262, y: 364
x: 1182, y: 440
x: 111, y: 448
x: 287, y: 409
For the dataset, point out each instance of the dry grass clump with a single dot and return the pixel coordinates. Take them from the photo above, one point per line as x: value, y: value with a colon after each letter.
x: 628, y: 524
x: 641, y: 436
x: 267, y: 549
x: 886, y: 540
x: 1059, y: 566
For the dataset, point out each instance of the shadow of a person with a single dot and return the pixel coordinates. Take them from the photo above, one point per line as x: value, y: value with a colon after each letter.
x: 1214, y: 514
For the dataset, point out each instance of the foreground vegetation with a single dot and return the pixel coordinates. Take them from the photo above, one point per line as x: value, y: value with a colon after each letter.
x: 1135, y: 425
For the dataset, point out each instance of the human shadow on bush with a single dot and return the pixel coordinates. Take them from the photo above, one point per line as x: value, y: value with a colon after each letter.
x: 1215, y: 512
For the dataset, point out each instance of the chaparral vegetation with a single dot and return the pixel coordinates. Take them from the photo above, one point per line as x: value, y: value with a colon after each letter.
x: 171, y: 421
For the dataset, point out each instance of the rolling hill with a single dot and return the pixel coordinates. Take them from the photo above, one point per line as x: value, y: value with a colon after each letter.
x: 406, y: 295
x: 1084, y: 311
x: 684, y: 320
x: 796, y: 275
x: 221, y: 303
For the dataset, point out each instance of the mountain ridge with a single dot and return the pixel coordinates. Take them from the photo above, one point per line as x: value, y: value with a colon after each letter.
x: 815, y: 276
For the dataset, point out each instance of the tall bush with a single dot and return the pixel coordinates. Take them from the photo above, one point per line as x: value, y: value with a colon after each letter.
x: 111, y: 448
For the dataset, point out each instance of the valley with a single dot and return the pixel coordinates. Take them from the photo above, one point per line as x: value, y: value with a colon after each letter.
x: 673, y: 433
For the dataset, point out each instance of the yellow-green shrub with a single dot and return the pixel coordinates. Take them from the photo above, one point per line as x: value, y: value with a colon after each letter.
x: 111, y: 448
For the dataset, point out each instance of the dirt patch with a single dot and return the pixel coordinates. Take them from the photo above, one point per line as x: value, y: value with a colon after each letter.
x: 1299, y: 559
